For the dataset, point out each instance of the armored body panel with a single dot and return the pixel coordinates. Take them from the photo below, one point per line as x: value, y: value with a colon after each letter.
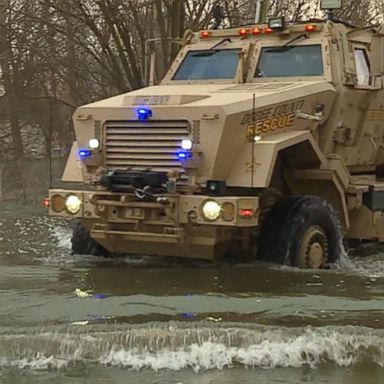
x: 244, y: 119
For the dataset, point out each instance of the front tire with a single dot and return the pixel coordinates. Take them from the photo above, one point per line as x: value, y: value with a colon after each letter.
x: 83, y: 244
x: 302, y: 232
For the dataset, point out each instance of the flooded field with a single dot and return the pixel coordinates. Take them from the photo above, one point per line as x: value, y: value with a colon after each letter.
x: 78, y: 319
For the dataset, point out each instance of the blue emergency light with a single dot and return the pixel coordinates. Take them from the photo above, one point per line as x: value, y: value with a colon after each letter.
x: 183, y: 155
x: 83, y: 153
x: 143, y: 113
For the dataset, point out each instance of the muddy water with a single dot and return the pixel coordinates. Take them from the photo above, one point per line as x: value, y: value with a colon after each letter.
x: 75, y: 319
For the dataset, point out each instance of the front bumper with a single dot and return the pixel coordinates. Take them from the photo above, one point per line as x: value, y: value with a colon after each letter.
x: 168, y: 225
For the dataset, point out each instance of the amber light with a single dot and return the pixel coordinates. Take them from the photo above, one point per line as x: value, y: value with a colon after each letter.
x: 268, y: 30
x: 256, y: 31
x: 228, y: 211
x: 247, y: 212
x: 310, y: 28
x: 243, y: 32
x: 205, y: 34
x: 57, y: 203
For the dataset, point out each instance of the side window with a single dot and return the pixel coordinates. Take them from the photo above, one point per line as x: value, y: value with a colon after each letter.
x: 363, y: 70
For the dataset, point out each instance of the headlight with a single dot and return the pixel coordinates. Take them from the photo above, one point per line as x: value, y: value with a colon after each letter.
x: 186, y: 145
x: 211, y: 210
x: 73, y: 204
x: 94, y: 143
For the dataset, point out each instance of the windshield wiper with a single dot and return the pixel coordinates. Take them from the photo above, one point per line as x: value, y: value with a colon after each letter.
x: 226, y: 40
x: 212, y: 50
x: 205, y: 53
x: 287, y: 46
x: 303, y: 35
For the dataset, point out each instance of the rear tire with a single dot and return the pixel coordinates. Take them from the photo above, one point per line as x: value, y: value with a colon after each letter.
x: 83, y: 244
x: 302, y: 232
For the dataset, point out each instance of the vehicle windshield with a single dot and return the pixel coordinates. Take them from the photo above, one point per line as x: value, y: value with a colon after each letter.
x: 290, y: 61
x: 209, y: 64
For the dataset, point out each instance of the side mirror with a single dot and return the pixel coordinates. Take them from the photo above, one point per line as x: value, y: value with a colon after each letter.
x: 150, y: 62
x: 153, y: 70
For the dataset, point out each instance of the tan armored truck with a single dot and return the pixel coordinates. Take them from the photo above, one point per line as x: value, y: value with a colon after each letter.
x: 265, y: 141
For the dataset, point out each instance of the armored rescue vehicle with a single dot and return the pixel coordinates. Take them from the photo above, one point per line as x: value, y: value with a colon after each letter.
x: 262, y: 141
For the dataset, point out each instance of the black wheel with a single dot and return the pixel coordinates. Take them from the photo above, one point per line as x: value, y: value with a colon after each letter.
x: 301, y: 231
x: 83, y: 244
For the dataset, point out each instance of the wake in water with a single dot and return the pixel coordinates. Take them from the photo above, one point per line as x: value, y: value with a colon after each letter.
x: 369, y: 266
x: 60, y: 234
x: 176, y: 346
x: 48, y: 240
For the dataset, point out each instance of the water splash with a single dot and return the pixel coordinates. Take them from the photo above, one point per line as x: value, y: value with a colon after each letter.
x: 368, y: 266
x: 201, y: 347
x: 62, y: 236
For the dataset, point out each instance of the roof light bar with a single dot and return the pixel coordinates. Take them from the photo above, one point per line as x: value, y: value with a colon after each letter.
x: 276, y: 24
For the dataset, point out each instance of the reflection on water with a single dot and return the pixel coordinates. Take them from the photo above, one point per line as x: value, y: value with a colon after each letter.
x: 148, y: 320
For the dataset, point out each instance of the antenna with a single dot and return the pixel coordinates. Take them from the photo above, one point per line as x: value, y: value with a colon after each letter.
x: 253, y: 140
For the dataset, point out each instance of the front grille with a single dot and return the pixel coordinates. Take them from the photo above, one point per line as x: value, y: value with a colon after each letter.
x: 144, y: 145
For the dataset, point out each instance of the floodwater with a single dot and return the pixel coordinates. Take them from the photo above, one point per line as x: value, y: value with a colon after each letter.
x: 78, y: 319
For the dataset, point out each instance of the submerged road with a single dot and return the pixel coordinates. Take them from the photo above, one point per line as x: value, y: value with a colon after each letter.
x: 78, y: 319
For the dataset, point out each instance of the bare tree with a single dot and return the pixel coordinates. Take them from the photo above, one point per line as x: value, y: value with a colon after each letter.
x: 10, y: 67
x: 58, y: 54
